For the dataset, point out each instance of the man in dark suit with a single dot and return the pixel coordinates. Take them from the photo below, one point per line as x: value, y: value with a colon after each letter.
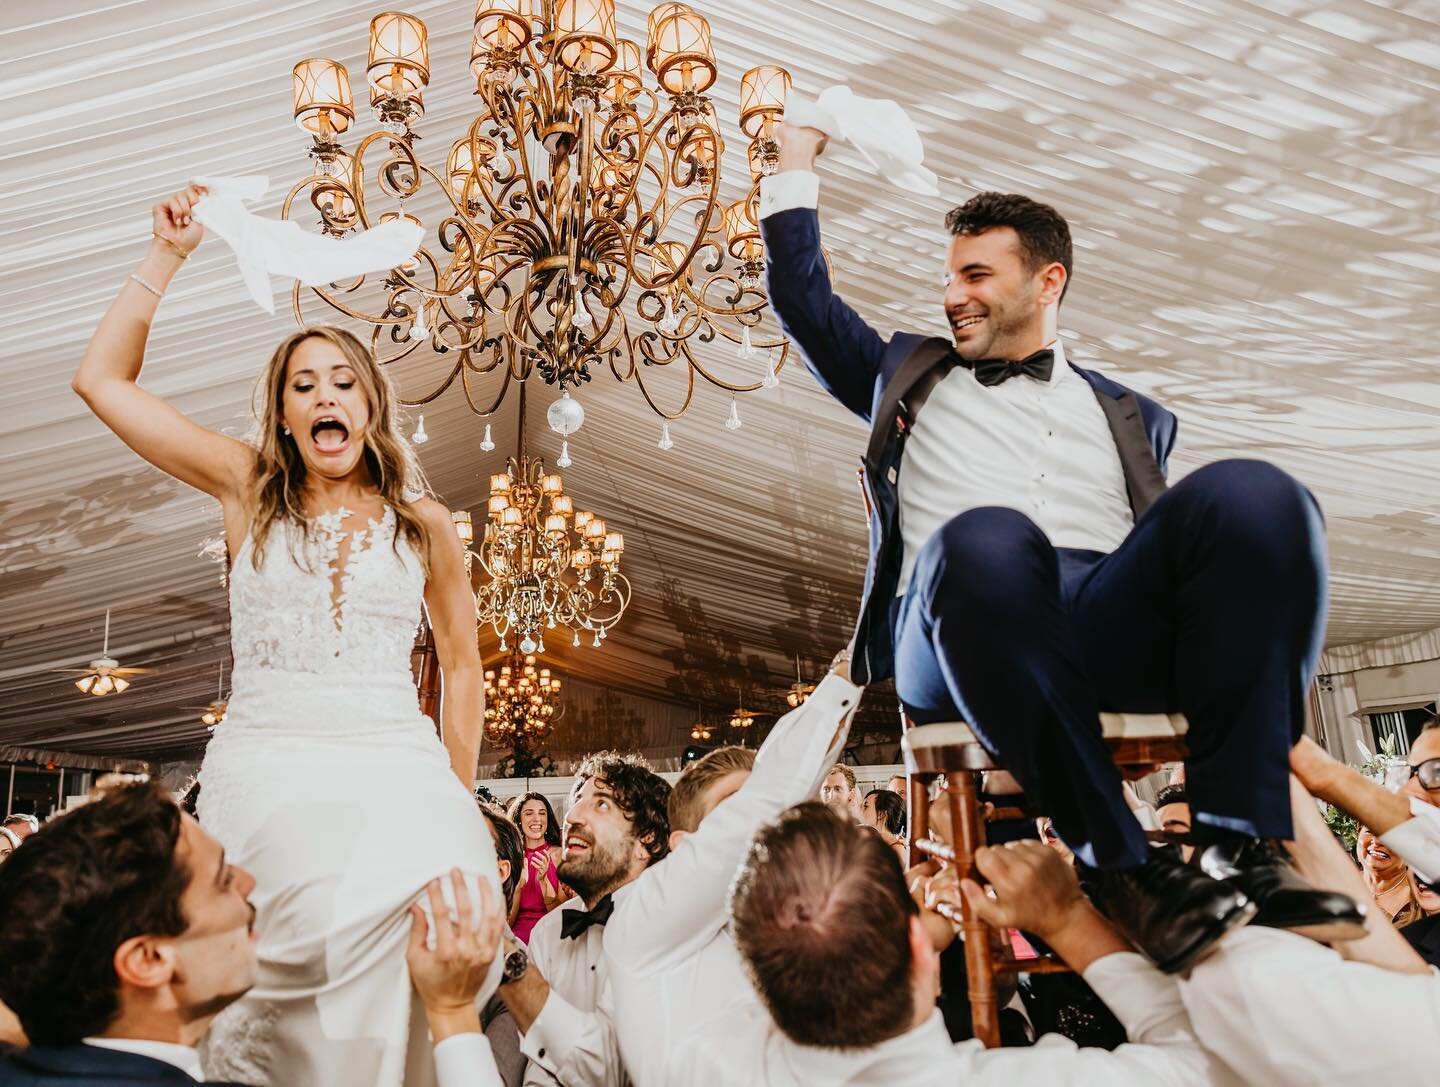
x: 1029, y: 568
x: 126, y: 933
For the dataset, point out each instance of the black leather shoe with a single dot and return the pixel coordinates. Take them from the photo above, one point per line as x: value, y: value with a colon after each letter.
x: 1261, y: 870
x: 1173, y: 912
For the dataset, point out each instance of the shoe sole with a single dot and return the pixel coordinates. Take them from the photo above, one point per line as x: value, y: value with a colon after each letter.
x: 1243, y: 913
x: 1328, y: 931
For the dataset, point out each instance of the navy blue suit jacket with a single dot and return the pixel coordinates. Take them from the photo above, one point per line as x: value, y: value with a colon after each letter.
x: 86, y: 1066
x: 857, y: 366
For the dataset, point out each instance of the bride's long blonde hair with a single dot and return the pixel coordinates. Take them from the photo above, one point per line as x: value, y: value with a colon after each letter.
x: 279, y: 480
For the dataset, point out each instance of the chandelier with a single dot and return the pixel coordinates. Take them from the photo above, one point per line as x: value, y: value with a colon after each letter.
x: 521, y: 703
x: 577, y: 223
x: 549, y: 564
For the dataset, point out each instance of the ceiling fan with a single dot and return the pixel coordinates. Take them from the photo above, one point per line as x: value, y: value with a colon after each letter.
x: 214, y: 713
x: 104, y: 676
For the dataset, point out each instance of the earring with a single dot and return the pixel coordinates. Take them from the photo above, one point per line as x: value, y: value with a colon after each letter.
x: 285, y: 429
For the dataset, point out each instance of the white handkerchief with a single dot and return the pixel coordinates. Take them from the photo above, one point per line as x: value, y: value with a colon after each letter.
x: 266, y: 247
x: 876, y: 127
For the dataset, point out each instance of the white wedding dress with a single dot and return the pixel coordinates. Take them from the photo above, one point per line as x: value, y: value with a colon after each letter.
x: 330, y: 787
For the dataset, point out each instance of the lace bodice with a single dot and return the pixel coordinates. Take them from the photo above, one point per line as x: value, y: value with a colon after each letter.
x: 287, y: 616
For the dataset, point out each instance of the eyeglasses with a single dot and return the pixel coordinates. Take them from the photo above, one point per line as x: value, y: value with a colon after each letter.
x: 1428, y: 772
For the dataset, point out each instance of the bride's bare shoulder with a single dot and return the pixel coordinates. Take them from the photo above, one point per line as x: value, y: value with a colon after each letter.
x: 436, y: 515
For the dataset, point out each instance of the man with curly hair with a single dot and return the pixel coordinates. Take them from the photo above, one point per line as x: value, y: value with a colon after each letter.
x: 615, y: 829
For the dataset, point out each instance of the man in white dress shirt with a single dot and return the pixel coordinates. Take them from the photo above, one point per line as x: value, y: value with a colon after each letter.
x: 615, y: 829
x: 1288, y: 1012
x: 1029, y: 567
x: 126, y: 933
x: 818, y: 898
x: 672, y: 962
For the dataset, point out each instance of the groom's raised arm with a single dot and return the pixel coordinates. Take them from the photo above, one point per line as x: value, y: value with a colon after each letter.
x: 840, y: 349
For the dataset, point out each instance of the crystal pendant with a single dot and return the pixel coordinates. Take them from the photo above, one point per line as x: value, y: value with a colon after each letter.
x: 502, y: 643
x: 733, y: 421
x: 771, y: 378
x: 418, y: 331
x: 487, y: 443
x: 670, y: 322
x: 527, y: 644
x: 563, y: 460
x: 597, y: 638
x: 540, y: 645
x: 747, y: 350
x: 577, y: 638
x: 665, y: 442
x: 420, y: 437
x: 582, y: 319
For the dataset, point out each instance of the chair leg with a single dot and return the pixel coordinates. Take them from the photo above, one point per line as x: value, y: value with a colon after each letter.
x: 965, y: 817
x: 917, y: 821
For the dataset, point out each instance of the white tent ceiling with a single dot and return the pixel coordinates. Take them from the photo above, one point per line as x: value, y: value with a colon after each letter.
x: 1252, y: 188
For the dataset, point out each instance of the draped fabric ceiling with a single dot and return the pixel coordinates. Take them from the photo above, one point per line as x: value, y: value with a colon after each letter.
x: 1252, y: 188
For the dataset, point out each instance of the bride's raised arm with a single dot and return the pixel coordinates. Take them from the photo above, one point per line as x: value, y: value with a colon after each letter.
x: 106, y: 379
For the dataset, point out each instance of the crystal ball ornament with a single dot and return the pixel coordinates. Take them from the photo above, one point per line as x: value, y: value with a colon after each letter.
x: 565, y: 415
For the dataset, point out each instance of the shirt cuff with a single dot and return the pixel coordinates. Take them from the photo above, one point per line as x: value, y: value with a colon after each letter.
x: 1417, y: 842
x: 1141, y: 997
x: 792, y: 189
x: 557, y: 1026
x: 460, y: 1061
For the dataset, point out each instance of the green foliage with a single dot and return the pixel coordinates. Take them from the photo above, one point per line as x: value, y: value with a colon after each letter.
x: 1343, y: 825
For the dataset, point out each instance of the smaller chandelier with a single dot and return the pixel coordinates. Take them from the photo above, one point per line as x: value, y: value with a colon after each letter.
x: 550, y: 565
x: 700, y: 731
x: 521, y: 702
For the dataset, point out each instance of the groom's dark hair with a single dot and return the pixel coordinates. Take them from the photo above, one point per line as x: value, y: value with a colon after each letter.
x: 72, y: 894
x: 1043, y: 232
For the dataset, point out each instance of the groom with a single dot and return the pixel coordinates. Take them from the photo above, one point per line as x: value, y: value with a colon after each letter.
x: 1029, y: 568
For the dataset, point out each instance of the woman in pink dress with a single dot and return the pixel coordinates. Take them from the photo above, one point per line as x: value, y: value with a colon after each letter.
x: 540, y: 887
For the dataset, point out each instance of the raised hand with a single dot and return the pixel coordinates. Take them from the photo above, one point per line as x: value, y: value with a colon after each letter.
x: 173, y: 224
x: 1034, y: 889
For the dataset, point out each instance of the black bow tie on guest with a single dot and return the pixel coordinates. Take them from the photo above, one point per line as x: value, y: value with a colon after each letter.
x: 574, y: 922
x: 994, y: 371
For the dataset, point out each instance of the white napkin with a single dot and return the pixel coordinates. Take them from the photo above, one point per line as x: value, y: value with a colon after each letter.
x: 876, y: 127
x: 266, y: 247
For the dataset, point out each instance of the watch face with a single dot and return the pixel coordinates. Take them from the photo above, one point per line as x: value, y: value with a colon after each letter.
x: 516, y: 964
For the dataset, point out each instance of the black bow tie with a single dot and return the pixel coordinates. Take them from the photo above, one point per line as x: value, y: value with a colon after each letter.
x: 574, y: 922
x: 994, y: 371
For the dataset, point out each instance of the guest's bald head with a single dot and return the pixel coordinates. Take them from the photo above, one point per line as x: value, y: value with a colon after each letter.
x: 822, y: 920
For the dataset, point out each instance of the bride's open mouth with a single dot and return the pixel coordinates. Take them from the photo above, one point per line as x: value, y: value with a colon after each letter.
x: 329, y: 435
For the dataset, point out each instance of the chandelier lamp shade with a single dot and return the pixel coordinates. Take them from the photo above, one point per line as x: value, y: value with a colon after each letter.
x: 522, y: 702
x: 575, y: 225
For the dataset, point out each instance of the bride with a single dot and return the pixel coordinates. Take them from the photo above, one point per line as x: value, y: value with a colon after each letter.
x: 324, y: 780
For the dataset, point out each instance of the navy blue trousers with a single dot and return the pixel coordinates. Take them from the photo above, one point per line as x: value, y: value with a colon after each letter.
x: 1213, y: 606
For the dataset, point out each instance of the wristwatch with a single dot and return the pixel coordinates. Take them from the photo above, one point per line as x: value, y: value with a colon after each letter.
x: 517, y: 961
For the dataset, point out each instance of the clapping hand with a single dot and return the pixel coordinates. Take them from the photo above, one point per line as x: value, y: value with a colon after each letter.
x: 449, y: 976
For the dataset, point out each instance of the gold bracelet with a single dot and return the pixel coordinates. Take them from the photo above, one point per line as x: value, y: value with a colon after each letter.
x: 149, y: 287
x: 183, y: 253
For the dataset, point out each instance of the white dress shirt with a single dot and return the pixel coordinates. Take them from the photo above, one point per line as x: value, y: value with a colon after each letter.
x: 1283, y: 1010
x: 744, y: 1048
x: 671, y: 960
x: 572, y: 1040
x: 183, y: 1057
x: 465, y: 1060
x: 1042, y: 448
x: 1417, y: 840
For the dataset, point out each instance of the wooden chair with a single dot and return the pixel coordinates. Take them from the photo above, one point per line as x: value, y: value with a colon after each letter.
x: 951, y: 751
